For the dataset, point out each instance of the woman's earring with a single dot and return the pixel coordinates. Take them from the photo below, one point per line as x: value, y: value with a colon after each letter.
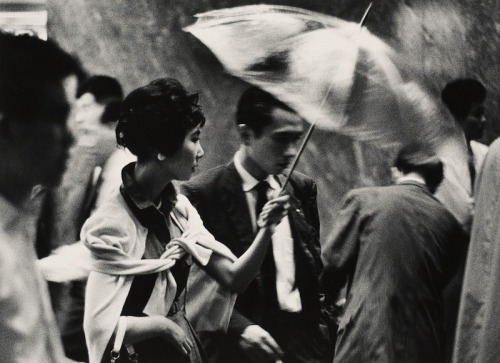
x: 161, y: 157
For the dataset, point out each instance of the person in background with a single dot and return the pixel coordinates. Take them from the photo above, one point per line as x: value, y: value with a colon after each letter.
x: 37, y: 84
x: 465, y: 99
x: 93, y: 173
x: 278, y: 316
x: 97, y: 109
x: 396, y: 247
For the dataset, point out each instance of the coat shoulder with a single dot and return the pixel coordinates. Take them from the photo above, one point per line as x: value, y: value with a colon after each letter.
x: 301, y: 181
x: 205, y: 180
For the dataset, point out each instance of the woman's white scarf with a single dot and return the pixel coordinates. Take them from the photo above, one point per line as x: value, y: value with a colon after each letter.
x: 117, y: 242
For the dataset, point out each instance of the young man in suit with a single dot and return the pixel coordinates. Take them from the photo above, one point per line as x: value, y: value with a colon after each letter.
x: 278, y: 316
x: 397, y: 247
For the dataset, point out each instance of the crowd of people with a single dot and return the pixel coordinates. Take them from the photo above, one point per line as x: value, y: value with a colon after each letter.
x: 226, y: 266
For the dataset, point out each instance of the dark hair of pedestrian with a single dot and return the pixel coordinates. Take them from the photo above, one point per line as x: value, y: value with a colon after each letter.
x: 29, y: 67
x: 429, y: 166
x: 103, y: 88
x: 157, y: 117
x: 460, y: 95
x: 255, y: 109
x: 106, y: 91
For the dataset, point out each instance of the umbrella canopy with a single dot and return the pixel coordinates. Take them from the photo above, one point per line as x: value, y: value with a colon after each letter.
x: 334, y: 73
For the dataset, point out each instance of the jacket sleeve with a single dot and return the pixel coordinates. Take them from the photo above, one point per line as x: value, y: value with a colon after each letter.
x: 341, y: 248
x: 313, y: 219
x: 238, y: 323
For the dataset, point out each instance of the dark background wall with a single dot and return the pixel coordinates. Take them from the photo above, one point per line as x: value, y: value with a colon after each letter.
x: 139, y: 40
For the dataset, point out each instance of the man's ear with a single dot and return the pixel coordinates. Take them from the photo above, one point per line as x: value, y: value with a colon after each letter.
x: 246, y: 134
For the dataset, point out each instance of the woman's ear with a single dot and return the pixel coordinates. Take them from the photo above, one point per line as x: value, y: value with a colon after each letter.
x: 246, y: 134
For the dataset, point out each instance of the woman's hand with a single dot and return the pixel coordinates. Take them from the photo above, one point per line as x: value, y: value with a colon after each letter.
x: 174, y: 334
x: 273, y: 211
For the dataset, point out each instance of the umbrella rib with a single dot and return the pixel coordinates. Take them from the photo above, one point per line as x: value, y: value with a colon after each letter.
x: 311, y: 127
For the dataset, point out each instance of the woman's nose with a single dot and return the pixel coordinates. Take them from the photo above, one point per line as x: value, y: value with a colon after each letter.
x: 201, y: 152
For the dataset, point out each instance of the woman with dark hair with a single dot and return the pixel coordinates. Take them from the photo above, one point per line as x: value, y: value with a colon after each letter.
x: 145, y: 238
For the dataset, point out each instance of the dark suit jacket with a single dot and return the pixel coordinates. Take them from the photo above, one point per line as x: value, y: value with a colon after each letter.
x: 397, y: 247
x: 220, y: 200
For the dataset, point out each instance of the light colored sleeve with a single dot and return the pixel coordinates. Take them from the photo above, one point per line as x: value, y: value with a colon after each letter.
x: 67, y: 263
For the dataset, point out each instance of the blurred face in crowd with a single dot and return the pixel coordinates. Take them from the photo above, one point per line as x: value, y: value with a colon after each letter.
x: 273, y: 150
x: 87, y: 113
x: 475, y: 122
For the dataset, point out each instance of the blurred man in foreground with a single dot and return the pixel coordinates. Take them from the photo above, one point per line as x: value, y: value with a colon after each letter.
x: 37, y: 80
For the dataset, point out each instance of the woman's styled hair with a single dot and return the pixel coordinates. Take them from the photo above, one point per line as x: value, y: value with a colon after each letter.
x: 157, y: 117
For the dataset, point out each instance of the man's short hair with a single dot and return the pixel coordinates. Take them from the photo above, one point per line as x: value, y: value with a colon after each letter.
x: 27, y: 65
x: 106, y: 91
x: 461, y: 94
x: 412, y: 159
x: 255, y: 109
x: 103, y: 88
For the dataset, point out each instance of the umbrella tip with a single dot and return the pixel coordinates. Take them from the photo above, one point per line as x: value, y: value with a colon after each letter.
x: 362, y: 22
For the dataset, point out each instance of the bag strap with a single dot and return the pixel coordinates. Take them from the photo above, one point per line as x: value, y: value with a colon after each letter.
x: 121, y: 328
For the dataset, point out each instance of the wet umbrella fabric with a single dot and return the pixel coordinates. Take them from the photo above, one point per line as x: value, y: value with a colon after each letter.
x: 334, y: 73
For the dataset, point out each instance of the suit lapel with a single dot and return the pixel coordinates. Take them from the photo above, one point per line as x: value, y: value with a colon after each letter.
x: 302, y: 233
x: 235, y: 204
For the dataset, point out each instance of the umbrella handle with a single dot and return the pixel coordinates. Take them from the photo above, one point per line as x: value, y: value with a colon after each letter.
x: 297, y: 157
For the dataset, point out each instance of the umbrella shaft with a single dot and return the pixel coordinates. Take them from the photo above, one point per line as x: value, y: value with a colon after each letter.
x: 297, y: 157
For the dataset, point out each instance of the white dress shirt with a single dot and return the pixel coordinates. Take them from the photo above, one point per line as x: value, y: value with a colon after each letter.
x: 282, y: 241
x: 28, y: 332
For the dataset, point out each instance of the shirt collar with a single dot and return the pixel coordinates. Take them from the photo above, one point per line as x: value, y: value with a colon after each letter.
x: 249, y: 182
x: 411, y: 178
x: 168, y: 196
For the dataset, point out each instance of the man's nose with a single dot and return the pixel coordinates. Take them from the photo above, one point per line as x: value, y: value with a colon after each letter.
x: 292, y: 148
